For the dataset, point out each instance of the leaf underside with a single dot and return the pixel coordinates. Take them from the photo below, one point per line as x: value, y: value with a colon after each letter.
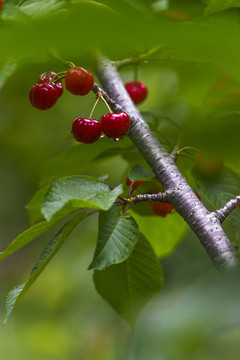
x: 128, y: 286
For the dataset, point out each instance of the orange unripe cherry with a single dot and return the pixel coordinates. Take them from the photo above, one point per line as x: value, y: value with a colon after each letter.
x: 208, y: 164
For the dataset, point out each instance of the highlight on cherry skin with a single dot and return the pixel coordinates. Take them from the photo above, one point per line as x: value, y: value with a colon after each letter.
x: 44, y: 95
x: 86, y: 131
x: 116, y: 125
x: 47, y: 77
x: 137, y: 91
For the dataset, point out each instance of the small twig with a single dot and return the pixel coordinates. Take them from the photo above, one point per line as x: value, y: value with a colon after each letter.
x: 178, y: 152
x: 135, y: 60
x: 161, y: 196
x: 124, y: 211
x: 118, y: 203
x: 227, y: 208
x: 130, y: 190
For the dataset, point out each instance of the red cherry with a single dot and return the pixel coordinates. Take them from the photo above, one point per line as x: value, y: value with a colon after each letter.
x: 47, y: 77
x: 135, y: 184
x: 1, y: 5
x: 43, y: 96
x: 161, y: 208
x: 86, y: 131
x: 137, y: 91
x: 208, y: 164
x: 115, y: 125
x: 79, y: 81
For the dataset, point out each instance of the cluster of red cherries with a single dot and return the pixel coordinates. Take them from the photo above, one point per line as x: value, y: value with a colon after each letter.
x: 79, y: 81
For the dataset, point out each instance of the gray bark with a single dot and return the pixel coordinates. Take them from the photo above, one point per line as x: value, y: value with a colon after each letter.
x: 206, y: 225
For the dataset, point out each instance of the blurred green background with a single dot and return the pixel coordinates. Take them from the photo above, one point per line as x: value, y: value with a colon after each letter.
x: 62, y: 317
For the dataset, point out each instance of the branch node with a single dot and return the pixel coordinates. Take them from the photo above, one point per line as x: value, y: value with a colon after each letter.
x: 226, y: 209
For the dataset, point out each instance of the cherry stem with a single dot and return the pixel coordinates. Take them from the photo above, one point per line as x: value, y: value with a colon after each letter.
x: 60, y: 78
x: 100, y: 95
x: 187, y: 147
x: 94, y: 107
x: 68, y: 64
x: 57, y: 78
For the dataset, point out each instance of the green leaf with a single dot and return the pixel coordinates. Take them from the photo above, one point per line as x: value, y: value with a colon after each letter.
x: 137, y: 172
x: 28, y: 235
x: 142, y: 5
x: 79, y: 158
x: 129, y: 7
x: 117, y: 237
x: 69, y: 194
x: 45, y: 257
x: 41, y: 8
x: 6, y: 71
x: 218, y: 189
x: 34, y: 205
x: 115, y: 5
x: 164, y: 234
x: 128, y: 286
x: 195, y: 80
x: 220, y: 5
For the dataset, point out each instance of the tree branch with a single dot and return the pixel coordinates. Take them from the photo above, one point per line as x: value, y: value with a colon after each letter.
x: 227, y: 208
x: 162, y: 197
x: 204, y: 224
